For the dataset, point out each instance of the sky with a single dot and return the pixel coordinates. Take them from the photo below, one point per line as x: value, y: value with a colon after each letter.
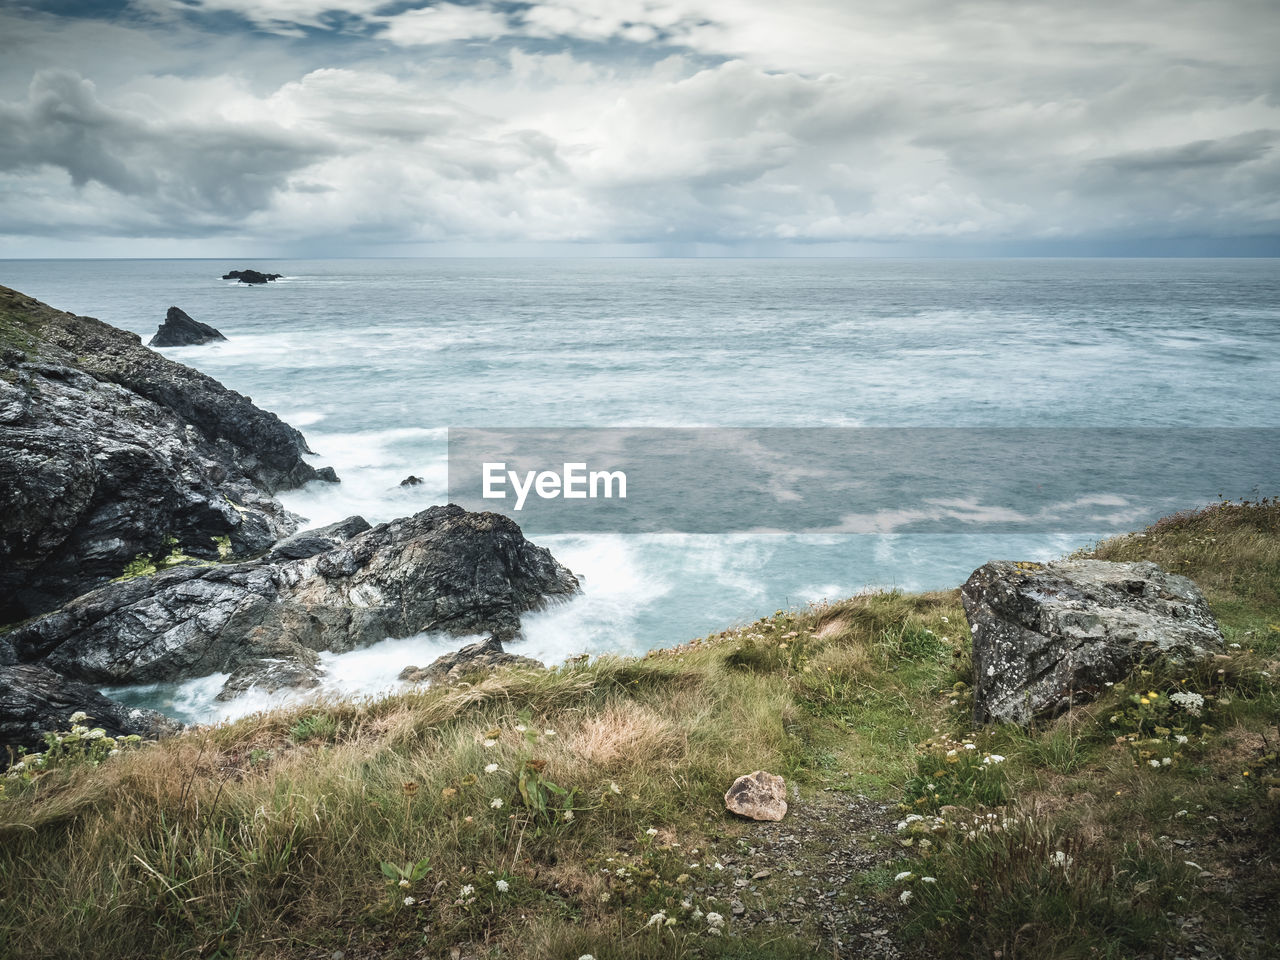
x: 639, y: 127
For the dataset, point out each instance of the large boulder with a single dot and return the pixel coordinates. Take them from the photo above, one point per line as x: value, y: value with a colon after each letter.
x: 1046, y: 636
x: 443, y: 569
x: 108, y: 450
x: 180, y: 330
x: 35, y: 700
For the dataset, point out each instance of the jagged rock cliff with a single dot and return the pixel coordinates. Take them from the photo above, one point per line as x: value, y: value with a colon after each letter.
x: 442, y: 569
x: 108, y: 450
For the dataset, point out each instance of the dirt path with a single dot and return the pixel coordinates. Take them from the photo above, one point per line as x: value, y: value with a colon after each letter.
x: 807, y: 873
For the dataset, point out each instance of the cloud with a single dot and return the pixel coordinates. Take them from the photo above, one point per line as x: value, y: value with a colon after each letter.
x: 443, y: 23
x: 279, y: 16
x: 640, y: 121
x: 183, y: 169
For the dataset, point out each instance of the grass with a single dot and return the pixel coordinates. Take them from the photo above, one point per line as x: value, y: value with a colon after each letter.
x: 592, y: 793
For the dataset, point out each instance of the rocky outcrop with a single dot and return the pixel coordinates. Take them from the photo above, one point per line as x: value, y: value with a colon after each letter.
x: 35, y: 700
x: 315, y: 540
x: 251, y: 276
x: 474, y: 658
x: 180, y: 330
x: 109, y: 450
x: 412, y: 481
x: 442, y: 569
x: 1046, y: 636
x: 293, y: 667
x: 758, y: 796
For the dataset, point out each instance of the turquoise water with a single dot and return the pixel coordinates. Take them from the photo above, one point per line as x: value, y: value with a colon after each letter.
x: 375, y: 359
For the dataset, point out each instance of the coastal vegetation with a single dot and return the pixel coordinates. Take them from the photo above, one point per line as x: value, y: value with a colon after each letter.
x: 577, y: 811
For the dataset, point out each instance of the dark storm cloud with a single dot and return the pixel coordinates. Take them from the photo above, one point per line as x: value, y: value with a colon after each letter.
x: 219, y: 168
x: 1196, y: 156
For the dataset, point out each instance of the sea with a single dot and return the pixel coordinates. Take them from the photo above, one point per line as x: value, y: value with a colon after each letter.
x: 376, y: 360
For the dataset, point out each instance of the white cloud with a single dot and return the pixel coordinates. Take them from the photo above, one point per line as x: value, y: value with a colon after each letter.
x: 443, y: 23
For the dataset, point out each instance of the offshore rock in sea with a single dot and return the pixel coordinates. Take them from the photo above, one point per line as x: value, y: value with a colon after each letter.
x: 251, y: 276
x: 1046, y: 636
x: 35, y: 700
x: 442, y: 569
x: 180, y: 330
x: 109, y: 451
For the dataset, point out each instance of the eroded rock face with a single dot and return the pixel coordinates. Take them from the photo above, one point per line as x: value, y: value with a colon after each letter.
x: 1046, y: 636
x: 314, y: 540
x: 758, y: 796
x: 108, y: 449
x: 474, y: 657
x: 442, y: 569
x: 180, y: 330
x: 35, y: 700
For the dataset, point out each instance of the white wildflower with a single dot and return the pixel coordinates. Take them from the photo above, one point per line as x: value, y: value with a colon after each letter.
x: 715, y: 920
x: 993, y: 758
x: 404, y: 882
x: 651, y: 832
x: 1180, y: 738
x: 502, y: 886
x: 1166, y: 761
x: 491, y: 743
x: 1154, y: 763
x: 467, y: 890
x: 1060, y: 859
x: 1193, y: 703
x: 496, y: 803
x: 658, y: 917
x: 971, y: 746
x: 929, y: 879
x: 548, y: 732
x: 409, y: 901
x: 491, y: 768
x: 97, y: 733
x: 586, y: 956
x: 614, y: 788
x: 905, y: 896
x: 568, y: 815
x: 79, y: 717
x: 904, y: 875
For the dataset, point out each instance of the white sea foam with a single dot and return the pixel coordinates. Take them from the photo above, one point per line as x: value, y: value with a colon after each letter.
x: 371, y: 464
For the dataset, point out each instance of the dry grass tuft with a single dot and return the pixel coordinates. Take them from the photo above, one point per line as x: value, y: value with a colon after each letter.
x: 613, y: 739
